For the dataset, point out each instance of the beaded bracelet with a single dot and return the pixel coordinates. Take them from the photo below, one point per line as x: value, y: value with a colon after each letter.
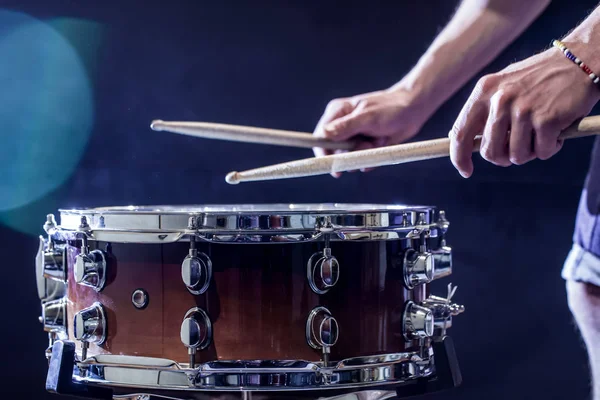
x: 577, y: 61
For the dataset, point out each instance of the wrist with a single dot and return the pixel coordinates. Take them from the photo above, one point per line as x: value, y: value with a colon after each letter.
x: 579, y: 54
x: 584, y: 41
x: 416, y: 91
x: 585, y: 52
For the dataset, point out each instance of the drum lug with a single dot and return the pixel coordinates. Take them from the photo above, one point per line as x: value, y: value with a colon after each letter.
x: 322, y: 270
x: 55, y: 262
x: 322, y: 331
x: 417, y: 322
x: 54, y: 314
x: 89, y: 326
x: 90, y: 269
x: 196, y: 270
x: 442, y: 260
x: 419, y: 267
x: 50, y: 270
x: 196, y: 332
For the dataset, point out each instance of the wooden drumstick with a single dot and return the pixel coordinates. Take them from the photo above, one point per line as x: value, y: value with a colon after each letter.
x: 249, y: 134
x: 383, y: 156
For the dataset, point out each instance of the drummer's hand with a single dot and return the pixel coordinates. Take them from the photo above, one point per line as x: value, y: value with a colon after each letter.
x: 387, y: 117
x: 535, y: 99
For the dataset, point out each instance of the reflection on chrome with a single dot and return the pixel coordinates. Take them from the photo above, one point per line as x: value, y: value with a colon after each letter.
x: 267, y: 223
x: 149, y: 373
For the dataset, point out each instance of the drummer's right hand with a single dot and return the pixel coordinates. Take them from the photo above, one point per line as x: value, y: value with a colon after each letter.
x: 385, y: 117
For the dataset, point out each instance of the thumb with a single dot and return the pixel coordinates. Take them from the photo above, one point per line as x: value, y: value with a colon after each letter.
x: 347, y: 126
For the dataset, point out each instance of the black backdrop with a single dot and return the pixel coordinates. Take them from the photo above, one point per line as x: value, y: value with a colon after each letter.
x: 275, y: 65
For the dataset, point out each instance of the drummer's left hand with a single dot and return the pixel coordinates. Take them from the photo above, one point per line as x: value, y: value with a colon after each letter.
x: 521, y: 110
x: 385, y: 117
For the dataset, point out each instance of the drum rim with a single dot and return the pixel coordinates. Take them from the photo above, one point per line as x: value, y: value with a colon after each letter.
x: 274, y: 209
x: 255, y: 223
x: 352, y: 373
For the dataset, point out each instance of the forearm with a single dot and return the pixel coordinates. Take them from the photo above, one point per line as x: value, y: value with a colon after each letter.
x: 476, y: 34
x: 584, y: 41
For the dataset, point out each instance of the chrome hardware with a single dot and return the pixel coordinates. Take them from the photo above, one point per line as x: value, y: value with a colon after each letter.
x: 322, y: 331
x: 355, y: 394
x: 54, y: 317
x: 442, y: 255
x: 84, y: 226
x: 419, y: 267
x: 89, y: 324
x: 248, y: 223
x: 442, y: 262
x: 442, y: 222
x: 141, y: 396
x: 443, y: 310
x: 52, y: 338
x: 405, y: 222
x: 322, y: 270
x: 192, y: 223
x: 421, y: 221
x: 321, y: 328
x: 50, y: 225
x: 48, y: 289
x: 196, y: 270
x: 90, y: 269
x: 48, y: 353
x: 139, y: 299
x: 324, y: 225
x: 55, y: 262
x: 196, y: 332
x: 268, y: 375
x: 418, y: 322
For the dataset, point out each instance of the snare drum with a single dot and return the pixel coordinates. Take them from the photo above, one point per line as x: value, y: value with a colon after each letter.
x: 246, y: 301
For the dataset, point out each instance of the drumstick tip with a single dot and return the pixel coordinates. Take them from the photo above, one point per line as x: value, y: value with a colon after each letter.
x: 232, y: 178
x: 156, y: 125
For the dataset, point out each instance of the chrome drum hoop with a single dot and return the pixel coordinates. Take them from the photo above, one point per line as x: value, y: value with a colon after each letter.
x: 158, y: 374
x: 274, y: 223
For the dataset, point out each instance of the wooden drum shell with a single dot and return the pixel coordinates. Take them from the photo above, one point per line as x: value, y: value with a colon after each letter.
x: 258, y: 300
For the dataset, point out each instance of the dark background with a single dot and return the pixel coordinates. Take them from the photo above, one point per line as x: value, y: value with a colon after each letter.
x: 276, y: 64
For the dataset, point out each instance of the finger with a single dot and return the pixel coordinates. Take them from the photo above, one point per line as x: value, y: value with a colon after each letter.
x: 343, y: 128
x: 546, y: 142
x: 320, y: 152
x: 335, y: 109
x: 494, y: 143
x: 520, y: 148
x: 470, y: 121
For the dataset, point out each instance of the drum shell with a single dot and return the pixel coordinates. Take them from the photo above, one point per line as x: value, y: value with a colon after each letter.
x: 258, y: 300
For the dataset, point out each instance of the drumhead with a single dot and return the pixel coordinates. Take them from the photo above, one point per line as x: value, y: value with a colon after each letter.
x: 246, y: 221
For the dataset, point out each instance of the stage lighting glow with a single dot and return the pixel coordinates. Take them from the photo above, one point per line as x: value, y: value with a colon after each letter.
x: 46, y: 109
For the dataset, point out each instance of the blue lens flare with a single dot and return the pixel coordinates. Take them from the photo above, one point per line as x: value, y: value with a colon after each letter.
x: 46, y: 111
